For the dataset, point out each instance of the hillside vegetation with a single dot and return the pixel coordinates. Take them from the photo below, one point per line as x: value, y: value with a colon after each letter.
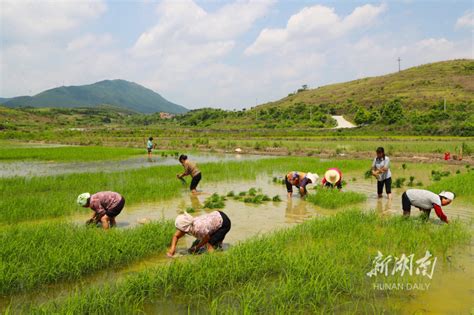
x: 410, y: 102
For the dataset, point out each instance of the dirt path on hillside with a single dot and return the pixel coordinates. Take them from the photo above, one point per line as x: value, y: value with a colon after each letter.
x: 343, y: 123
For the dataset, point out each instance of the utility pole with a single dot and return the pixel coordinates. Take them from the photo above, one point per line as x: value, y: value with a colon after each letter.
x: 399, y: 63
x: 256, y: 112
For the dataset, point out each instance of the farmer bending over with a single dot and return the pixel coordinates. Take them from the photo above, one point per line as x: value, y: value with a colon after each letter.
x: 300, y: 180
x: 210, y: 229
x: 332, y: 178
x: 190, y: 168
x: 426, y: 200
x: 106, y: 206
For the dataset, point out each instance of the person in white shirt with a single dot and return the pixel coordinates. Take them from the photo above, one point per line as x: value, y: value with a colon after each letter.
x: 426, y: 200
x: 381, y: 171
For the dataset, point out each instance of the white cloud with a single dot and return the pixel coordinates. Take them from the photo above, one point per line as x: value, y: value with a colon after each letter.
x: 467, y: 20
x: 89, y: 41
x: 195, y: 57
x: 185, y: 23
x: 314, y: 24
x: 23, y: 20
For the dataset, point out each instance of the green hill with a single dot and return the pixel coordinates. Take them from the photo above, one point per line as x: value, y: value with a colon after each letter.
x: 118, y: 93
x: 416, y: 88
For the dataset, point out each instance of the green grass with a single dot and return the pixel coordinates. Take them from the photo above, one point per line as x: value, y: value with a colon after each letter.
x: 32, y: 255
x: 461, y: 184
x: 333, y: 198
x: 67, y: 154
x: 25, y: 198
x: 319, y: 266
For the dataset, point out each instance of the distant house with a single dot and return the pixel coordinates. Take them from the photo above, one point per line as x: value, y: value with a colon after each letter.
x: 166, y: 115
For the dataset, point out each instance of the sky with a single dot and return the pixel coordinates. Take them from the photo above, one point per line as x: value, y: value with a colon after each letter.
x: 226, y: 54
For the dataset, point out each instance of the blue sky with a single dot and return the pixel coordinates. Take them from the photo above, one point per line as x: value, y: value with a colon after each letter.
x: 229, y: 54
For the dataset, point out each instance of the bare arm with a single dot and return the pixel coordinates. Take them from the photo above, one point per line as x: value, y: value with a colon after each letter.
x: 93, y: 218
x: 174, y: 241
x: 201, y: 243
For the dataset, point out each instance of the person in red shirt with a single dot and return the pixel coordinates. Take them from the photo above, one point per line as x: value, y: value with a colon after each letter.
x: 332, y: 178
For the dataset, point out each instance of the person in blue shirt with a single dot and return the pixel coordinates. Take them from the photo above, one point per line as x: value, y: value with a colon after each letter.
x: 381, y: 171
x: 150, y: 146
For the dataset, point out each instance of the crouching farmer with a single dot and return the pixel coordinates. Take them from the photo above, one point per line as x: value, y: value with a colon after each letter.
x: 210, y: 229
x: 426, y: 200
x: 106, y: 206
x: 300, y: 180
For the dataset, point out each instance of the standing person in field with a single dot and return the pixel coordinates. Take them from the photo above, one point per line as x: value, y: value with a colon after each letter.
x: 106, y: 206
x: 381, y: 171
x: 332, y: 178
x: 210, y: 229
x: 426, y: 200
x: 150, y: 146
x: 191, y: 169
x: 300, y: 180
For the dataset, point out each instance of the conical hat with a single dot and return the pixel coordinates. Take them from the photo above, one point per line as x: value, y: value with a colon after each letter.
x: 332, y: 176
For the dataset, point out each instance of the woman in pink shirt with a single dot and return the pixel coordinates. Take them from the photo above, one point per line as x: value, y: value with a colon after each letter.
x: 105, y: 204
x: 210, y: 229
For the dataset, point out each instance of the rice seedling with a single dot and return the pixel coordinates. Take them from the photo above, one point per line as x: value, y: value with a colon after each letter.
x: 36, y: 254
x: 438, y: 175
x: 231, y: 194
x: 404, y: 166
x: 368, y: 174
x: 411, y: 180
x: 215, y: 201
x: 254, y: 195
x: 319, y: 265
x: 276, y: 198
x: 399, y: 182
x: 333, y: 198
x: 190, y: 210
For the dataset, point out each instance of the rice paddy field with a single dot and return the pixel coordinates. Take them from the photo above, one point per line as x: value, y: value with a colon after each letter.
x: 312, y: 255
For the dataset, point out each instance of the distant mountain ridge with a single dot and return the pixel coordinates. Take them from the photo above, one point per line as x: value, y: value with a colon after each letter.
x: 121, y: 93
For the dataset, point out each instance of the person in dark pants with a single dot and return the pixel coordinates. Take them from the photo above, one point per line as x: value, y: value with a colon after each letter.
x: 381, y: 171
x: 106, y: 206
x: 210, y: 229
x: 190, y: 168
x: 332, y: 178
x: 300, y: 180
x: 426, y: 200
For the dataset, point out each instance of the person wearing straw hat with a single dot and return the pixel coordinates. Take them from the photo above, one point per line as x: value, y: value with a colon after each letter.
x: 300, y: 180
x: 106, y: 206
x: 210, y: 229
x: 426, y: 200
x: 332, y: 178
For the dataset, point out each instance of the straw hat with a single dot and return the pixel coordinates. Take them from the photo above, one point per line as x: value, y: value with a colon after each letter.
x: 332, y: 176
x: 313, y: 178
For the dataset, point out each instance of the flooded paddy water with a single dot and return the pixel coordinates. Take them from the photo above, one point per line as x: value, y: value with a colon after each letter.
x: 33, y: 168
x: 453, y: 283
